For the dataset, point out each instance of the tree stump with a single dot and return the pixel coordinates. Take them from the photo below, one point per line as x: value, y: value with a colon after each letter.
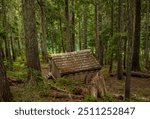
x: 97, y: 86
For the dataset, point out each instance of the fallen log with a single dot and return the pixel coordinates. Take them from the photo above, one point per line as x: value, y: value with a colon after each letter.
x: 138, y: 74
x: 134, y: 74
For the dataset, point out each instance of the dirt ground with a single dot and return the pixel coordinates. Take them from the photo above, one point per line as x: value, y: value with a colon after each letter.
x: 140, y: 88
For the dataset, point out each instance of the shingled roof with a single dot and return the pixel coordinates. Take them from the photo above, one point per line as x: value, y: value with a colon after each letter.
x: 73, y: 62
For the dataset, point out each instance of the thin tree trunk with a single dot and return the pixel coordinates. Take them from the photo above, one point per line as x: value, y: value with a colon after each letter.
x: 43, y: 26
x: 130, y: 16
x: 31, y: 43
x: 80, y: 34
x: 5, y: 26
x: 13, y: 47
x: 119, y: 64
x: 147, y: 42
x: 136, y: 46
x: 73, y: 26
x: 19, y: 47
x: 1, y: 50
x: 112, y: 32
x: 68, y: 39
x: 98, y: 43
x: 61, y: 35
x: 85, y: 26
x: 125, y: 53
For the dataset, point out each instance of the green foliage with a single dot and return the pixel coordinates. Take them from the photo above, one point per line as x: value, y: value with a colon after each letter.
x: 89, y: 98
x: 66, y: 83
x: 19, y: 71
x: 108, y: 98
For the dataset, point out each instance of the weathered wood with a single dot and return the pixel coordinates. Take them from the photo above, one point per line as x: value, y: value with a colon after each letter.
x: 51, y: 76
x: 98, y: 87
x: 92, y: 69
x: 73, y: 62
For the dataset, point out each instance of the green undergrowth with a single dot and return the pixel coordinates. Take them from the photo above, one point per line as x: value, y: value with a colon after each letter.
x: 108, y: 98
x: 19, y: 70
x: 89, y: 98
x: 28, y: 91
x: 31, y: 92
x: 66, y: 84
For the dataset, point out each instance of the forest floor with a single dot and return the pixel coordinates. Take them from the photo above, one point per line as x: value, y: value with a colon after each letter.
x: 22, y: 91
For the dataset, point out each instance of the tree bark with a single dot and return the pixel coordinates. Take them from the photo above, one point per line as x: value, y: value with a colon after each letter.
x: 13, y: 47
x: 147, y: 41
x: 61, y: 35
x: 112, y: 32
x: 31, y: 43
x: 68, y: 35
x: 43, y: 26
x: 130, y: 16
x: 73, y: 26
x: 5, y: 94
x: 125, y: 53
x: 6, y: 39
x: 119, y: 63
x: 136, y: 45
x: 98, y: 42
x: 85, y: 25
x: 1, y: 50
x: 80, y: 34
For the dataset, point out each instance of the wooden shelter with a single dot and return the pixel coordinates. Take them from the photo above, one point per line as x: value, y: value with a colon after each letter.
x: 80, y: 65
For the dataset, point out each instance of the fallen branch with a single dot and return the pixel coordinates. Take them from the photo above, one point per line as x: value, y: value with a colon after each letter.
x: 138, y: 74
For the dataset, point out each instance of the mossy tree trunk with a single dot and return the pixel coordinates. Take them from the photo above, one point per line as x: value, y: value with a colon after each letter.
x: 31, y: 43
x: 5, y: 94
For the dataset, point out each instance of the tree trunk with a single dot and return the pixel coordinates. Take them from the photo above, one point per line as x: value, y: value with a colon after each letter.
x: 136, y: 45
x: 68, y: 36
x: 31, y: 43
x: 147, y: 41
x: 13, y: 47
x: 97, y: 31
x: 125, y: 53
x: 5, y: 27
x: 43, y: 26
x: 119, y: 64
x: 1, y: 50
x: 80, y: 34
x: 5, y: 94
x: 73, y: 26
x: 61, y: 35
x: 85, y: 25
x: 112, y: 32
x: 130, y: 16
